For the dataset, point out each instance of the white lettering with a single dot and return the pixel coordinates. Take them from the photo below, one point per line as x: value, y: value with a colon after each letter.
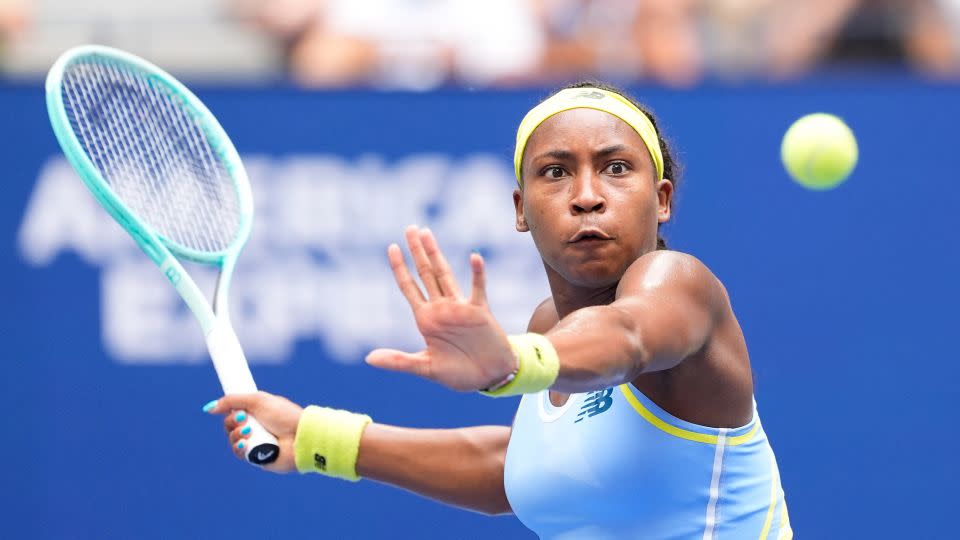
x: 315, y: 266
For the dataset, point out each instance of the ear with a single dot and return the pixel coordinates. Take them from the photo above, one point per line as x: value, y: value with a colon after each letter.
x: 521, y: 223
x: 664, y: 200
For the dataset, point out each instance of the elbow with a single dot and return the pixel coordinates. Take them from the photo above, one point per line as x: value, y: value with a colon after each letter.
x: 636, y: 356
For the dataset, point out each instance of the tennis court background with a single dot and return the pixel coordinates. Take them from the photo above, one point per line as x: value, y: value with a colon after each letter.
x: 847, y: 299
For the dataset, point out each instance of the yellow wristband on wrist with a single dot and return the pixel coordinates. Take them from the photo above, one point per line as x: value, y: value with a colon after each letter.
x: 537, y: 369
x: 328, y: 442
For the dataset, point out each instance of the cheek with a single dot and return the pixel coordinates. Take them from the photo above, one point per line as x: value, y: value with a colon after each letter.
x: 637, y: 218
x: 539, y: 215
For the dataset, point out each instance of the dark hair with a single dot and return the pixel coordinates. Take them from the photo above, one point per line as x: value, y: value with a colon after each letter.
x: 671, y: 167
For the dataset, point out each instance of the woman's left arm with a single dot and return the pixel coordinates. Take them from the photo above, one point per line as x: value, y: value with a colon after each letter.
x: 666, y: 308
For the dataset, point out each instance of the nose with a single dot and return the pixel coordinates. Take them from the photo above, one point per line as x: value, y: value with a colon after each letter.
x: 586, y: 196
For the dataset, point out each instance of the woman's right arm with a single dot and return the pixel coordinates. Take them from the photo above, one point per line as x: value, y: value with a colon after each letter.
x: 461, y: 467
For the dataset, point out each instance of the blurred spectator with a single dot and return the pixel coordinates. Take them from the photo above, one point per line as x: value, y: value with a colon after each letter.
x: 860, y: 32
x: 620, y: 40
x: 587, y: 38
x: 887, y: 31
x: 934, y: 43
x: 786, y: 38
x: 421, y: 44
x: 670, y: 41
x: 798, y: 34
x: 283, y: 18
x: 14, y: 18
x: 413, y: 44
x: 735, y: 35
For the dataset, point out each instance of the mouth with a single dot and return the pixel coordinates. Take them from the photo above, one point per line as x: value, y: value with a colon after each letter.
x: 590, y: 235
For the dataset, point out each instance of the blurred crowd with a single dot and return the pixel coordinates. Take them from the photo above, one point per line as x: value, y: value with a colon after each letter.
x: 420, y: 44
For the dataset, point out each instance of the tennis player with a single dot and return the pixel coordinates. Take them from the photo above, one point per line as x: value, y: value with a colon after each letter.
x: 637, y: 418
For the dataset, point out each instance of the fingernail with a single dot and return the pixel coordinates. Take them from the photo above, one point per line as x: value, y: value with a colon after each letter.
x: 241, y: 416
x: 240, y: 445
x: 209, y: 406
x: 245, y: 430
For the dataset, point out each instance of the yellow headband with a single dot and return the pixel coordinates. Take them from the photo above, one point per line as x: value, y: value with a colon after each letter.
x: 589, y: 98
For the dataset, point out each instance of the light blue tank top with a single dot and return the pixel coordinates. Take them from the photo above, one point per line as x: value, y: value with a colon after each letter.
x: 613, y: 465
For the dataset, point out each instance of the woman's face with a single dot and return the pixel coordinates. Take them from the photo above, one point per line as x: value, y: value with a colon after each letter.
x: 590, y: 197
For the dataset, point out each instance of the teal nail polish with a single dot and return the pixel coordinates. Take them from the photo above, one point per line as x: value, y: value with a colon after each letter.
x: 240, y: 445
x: 245, y: 430
x: 209, y: 406
x: 241, y: 416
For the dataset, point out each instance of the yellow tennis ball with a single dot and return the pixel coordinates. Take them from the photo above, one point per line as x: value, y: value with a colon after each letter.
x: 819, y: 151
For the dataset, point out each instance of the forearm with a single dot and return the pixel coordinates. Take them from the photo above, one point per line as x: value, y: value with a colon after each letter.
x: 598, y: 347
x: 461, y: 467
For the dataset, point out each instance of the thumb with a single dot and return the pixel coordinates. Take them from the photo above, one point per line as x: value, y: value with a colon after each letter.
x: 232, y: 402
x: 395, y: 360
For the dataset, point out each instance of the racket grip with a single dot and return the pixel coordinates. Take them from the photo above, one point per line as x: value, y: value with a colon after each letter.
x: 262, y: 447
x: 235, y: 378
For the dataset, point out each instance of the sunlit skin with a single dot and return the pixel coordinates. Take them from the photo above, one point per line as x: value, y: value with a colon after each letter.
x: 585, y: 169
x: 619, y: 311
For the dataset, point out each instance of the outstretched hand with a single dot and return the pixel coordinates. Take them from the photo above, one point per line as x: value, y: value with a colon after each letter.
x: 466, y: 348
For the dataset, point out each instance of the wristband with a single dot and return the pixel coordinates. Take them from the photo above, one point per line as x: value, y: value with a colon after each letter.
x: 328, y: 442
x: 537, y: 367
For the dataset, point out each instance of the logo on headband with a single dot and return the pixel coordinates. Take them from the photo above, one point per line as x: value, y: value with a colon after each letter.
x: 590, y: 94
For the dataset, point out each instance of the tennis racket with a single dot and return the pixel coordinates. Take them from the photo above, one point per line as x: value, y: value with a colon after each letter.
x: 158, y: 161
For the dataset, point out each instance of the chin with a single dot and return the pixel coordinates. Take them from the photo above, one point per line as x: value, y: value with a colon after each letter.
x: 592, y: 274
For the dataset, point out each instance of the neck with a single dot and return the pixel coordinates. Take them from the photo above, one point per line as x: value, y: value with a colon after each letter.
x: 568, y: 297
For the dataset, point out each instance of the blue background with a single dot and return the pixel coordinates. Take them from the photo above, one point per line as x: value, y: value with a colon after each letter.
x: 847, y: 299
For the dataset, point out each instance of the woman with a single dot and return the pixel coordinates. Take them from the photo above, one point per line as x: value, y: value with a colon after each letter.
x: 637, y: 418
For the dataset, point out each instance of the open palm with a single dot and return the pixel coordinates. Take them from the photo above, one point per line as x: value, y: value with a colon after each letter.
x: 466, y: 348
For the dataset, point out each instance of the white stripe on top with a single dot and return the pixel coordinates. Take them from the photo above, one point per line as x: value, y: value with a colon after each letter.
x: 711, y: 519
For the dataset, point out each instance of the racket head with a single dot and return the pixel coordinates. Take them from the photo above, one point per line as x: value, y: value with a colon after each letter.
x: 172, y: 178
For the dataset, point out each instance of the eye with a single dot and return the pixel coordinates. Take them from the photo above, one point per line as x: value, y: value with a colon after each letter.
x: 617, y: 168
x: 554, y: 172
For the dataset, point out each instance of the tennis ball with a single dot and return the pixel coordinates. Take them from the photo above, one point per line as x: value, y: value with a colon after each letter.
x: 819, y: 151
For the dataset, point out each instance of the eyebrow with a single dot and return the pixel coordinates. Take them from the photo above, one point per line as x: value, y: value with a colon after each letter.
x: 562, y: 155
x: 613, y: 149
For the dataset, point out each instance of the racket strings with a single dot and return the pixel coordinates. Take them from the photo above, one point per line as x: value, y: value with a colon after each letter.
x: 171, y: 165
x: 154, y: 155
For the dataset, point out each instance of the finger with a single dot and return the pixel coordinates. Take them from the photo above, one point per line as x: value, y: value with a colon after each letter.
x: 239, y: 450
x: 238, y: 434
x: 233, y: 420
x: 408, y: 286
x: 422, y: 263
x: 478, y: 295
x: 445, y: 277
x: 394, y: 360
x: 226, y: 404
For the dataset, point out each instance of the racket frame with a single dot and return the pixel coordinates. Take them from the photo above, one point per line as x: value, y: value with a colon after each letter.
x: 158, y: 248
x: 214, y: 318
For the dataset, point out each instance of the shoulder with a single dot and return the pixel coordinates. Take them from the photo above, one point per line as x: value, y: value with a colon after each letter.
x: 544, y: 317
x: 665, y: 272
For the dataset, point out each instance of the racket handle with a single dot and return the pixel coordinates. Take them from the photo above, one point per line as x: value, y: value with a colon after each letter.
x: 262, y: 447
x: 235, y: 378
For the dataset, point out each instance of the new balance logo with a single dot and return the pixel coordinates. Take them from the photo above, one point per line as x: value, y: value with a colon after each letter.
x: 319, y: 462
x: 592, y: 94
x: 595, y: 404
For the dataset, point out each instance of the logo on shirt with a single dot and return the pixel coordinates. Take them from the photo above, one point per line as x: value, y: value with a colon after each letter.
x: 595, y: 404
